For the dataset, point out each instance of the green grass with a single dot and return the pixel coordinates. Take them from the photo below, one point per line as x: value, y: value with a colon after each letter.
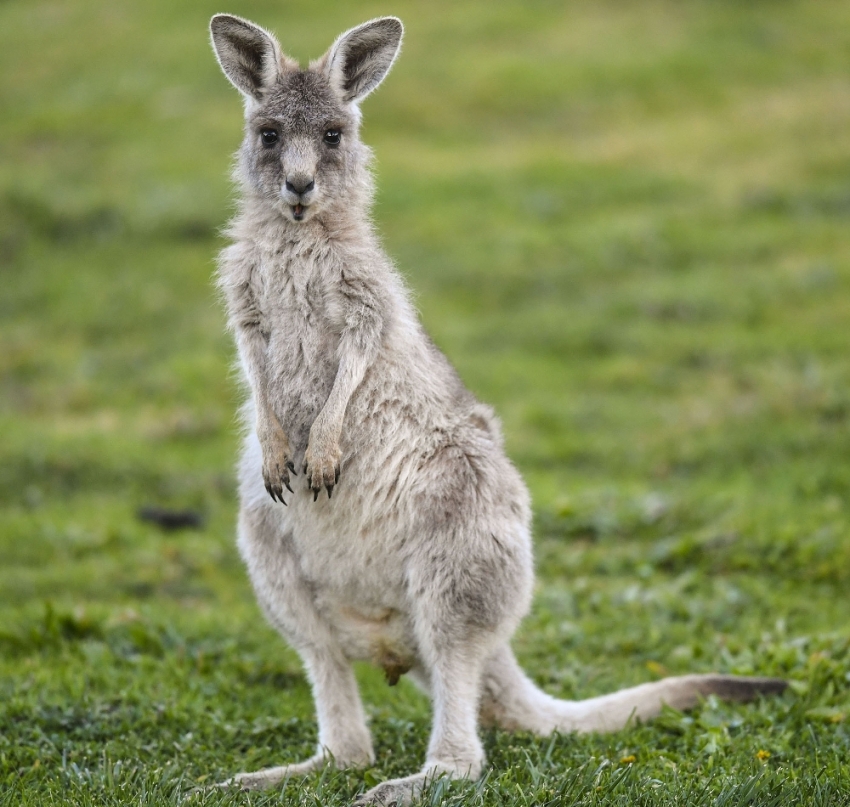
x: 626, y: 224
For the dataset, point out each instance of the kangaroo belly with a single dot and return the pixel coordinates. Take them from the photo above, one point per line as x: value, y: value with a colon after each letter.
x: 380, y: 635
x: 359, y: 589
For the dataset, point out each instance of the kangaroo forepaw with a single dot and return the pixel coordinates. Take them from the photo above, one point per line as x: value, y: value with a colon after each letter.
x: 275, y: 481
x: 321, y: 467
x: 277, y: 463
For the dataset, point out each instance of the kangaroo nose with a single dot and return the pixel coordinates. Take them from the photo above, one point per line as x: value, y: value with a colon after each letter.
x: 300, y: 184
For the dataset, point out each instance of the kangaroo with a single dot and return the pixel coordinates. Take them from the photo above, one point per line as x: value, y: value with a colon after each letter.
x: 417, y: 555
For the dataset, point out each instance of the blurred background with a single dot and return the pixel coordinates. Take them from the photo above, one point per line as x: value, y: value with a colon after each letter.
x: 626, y: 223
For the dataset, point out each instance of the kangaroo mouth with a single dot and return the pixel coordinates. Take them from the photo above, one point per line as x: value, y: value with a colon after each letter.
x: 298, y: 212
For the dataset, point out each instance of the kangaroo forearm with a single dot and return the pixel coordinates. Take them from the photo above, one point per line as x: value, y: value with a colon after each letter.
x: 352, y: 369
x: 239, y: 283
x: 274, y: 442
x: 253, y: 352
x: 358, y: 348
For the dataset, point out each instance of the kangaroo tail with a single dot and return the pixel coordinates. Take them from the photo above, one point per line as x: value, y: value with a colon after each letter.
x: 511, y: 701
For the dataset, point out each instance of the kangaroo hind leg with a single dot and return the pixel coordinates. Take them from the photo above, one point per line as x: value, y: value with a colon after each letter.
x: 287, y: 599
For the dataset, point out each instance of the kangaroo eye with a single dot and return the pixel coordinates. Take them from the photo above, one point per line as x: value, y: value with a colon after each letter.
x: 269, y: 137
x: 332, y: 137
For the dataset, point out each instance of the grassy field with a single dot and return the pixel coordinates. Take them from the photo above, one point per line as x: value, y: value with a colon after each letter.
x: 627, y: 226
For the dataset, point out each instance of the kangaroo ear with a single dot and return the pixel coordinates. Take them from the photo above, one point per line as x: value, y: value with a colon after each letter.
x: 249, y: 55
x: 358, y: 61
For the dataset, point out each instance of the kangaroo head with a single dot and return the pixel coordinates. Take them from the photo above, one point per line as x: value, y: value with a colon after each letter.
x: 302, y: 150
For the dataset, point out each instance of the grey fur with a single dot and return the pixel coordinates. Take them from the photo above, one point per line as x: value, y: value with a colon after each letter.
x: 421, y: 561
